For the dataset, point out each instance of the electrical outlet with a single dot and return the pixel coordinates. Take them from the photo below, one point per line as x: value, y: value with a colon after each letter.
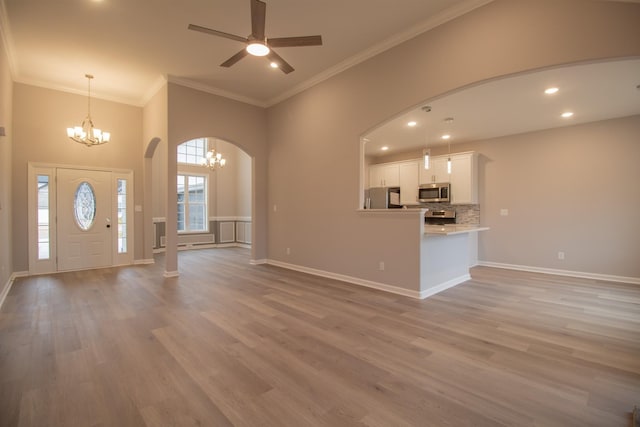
x: 288, y: 251
x: 504, y: 212
x: 275, y: 208
x: 561, y: 255
x: 381, y: 266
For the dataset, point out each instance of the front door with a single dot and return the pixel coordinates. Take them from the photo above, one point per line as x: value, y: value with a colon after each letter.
x: 84, y: 219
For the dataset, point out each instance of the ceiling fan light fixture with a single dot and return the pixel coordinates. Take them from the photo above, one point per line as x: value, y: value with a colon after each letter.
x: 258, y: 49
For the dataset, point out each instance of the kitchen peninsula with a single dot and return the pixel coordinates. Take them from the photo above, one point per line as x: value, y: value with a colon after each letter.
x: 445, y: 255
x: 446, y: 252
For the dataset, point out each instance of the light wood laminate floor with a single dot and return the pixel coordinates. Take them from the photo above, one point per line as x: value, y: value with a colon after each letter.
x: 227, y: 343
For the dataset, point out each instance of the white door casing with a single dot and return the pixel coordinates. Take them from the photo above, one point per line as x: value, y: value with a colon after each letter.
x: 106, y: 241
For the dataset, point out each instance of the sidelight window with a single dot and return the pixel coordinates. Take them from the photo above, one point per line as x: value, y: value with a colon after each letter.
x: 122, y: 215
x: 44, y: 230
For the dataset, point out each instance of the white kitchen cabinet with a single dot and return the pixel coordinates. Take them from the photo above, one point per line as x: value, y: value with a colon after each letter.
x: 464, y: 179
x: 437, y: 171
x: 384, y: 175
x: 409, y: 174
x: 409, y: 182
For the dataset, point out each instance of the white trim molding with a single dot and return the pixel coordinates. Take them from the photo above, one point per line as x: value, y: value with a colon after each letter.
x: 230, y: 218
x: 444, y: 286
x: 144, y: 261
x: 158, y: 219
x: 170, y: 274
x: 569, y: 273
x: 258, y: 261
x: 349, y: 279
x: 9, y: 284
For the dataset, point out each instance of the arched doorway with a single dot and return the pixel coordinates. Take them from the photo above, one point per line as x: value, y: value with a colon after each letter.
x: 214, y: 202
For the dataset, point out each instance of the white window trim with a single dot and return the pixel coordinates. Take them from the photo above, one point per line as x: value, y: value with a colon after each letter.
x: 186, y: 205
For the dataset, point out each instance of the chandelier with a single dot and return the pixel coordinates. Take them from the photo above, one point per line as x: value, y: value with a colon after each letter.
x: 87, y: 134
x: 213, y: 160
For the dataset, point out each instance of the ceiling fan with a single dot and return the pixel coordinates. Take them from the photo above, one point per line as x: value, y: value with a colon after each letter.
x: 257, y: 43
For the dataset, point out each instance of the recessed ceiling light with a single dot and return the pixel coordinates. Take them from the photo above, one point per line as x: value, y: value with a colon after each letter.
x: 385, y: 148
x: 445, y: 136
x: 551, y: 90
x: 411, y: 124
x: 274, y: 65
x: 567, y: 114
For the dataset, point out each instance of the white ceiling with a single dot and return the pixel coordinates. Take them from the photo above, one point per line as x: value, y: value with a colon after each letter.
x: 517, y: 104
x: 133, y: 46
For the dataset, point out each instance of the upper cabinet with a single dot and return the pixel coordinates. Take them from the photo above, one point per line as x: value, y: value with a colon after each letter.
x: 409, y: 174
x: 384, y: 175
x: 464, y: 179
x: 437, y: 171
x: 409, y: 182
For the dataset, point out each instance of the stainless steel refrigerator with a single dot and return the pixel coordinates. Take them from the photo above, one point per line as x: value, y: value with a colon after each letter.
x: 383, y: 198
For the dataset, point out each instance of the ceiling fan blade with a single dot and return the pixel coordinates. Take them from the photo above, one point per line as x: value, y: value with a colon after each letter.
x: 295, y: 41
x: 258, y: 14
x: 235, y: 58
x: 282, y: 64
x: 217, y: 33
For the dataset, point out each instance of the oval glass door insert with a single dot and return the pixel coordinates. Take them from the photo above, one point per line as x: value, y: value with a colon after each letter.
x: 84, y: 206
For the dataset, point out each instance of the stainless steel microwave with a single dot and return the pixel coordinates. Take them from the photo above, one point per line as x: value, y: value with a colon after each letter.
x: 436, y: 192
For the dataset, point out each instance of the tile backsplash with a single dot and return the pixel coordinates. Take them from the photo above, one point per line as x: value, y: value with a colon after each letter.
x: 465, y: 214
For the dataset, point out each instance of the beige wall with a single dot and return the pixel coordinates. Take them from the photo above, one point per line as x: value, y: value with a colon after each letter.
x: 39, y: 134
x: 314, y: 151
x: 193, y: 114
x: 572, y: 189
x: 6, y: 143
x: 155, y: 115
x: 232, y: 190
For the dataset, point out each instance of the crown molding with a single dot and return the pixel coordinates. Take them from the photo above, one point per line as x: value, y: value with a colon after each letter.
x: 62, y: 88
x: 7, y: 40
x: 153, y: 89
x: 439, y: 19
x: 215, y: 91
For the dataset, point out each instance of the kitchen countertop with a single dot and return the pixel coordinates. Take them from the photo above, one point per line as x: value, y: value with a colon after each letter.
x: 450, y: 229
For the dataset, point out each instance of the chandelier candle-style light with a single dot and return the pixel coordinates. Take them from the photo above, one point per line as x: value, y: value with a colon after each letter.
x: 87, y: 134
x: 213, y: 160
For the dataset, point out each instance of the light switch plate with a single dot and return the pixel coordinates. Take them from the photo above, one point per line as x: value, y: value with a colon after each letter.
x: 504, y: 212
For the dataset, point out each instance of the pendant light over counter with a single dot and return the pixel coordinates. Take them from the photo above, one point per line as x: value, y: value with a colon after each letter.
x: 447, y: 136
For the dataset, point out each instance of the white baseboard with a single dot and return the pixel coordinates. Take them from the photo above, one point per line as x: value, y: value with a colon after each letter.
x: 258, y: 261
x: 570, y: 273
x: 9, y: 284
x: 144, y: 261
x: 444, y: 286
x: 5, y: 290
x: 205, y: 246
x: 348, y: 279
x: 169, y: 274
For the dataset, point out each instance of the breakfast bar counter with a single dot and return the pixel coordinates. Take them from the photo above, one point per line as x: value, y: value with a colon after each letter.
x: 450, y: 229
